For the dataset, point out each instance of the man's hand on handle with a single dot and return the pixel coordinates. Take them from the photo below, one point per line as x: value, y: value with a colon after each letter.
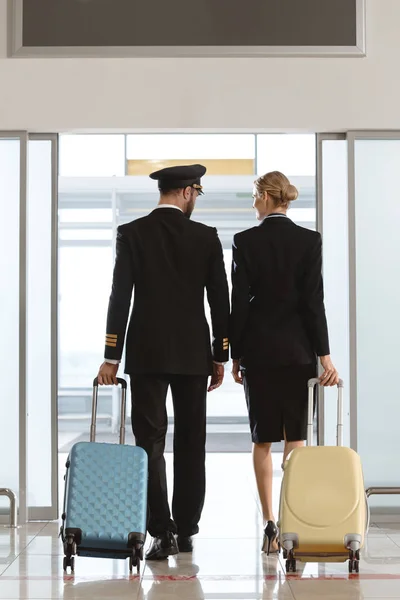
x: 330, y: 376
x: 217, y: 377
x: 107, y: 374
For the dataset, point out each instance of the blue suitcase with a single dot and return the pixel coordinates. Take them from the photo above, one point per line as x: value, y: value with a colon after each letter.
x: 105, y: 501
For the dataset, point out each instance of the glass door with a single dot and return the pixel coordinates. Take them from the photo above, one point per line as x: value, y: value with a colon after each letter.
x: 28, y: 315
x: 12, y: 319
x: 374, y: 216
x: 359, y: 216
x: 332, y: 156
x: 41, y: 327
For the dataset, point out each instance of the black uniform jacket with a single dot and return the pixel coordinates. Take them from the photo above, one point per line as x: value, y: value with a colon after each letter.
x: 168, y: 261
x: 278, y: 314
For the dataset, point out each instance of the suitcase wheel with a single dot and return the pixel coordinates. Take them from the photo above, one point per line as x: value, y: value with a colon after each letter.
x: 136, y: 558
x: 354, y: 566
x: 69, y: 561
x: 291, y: 565
x: 350, y: 566
x: 70, y: 549
x: 134, y: 561
x: 354, y: 561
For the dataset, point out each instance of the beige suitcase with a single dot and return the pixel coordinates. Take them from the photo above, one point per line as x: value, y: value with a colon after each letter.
x: 323, y: 510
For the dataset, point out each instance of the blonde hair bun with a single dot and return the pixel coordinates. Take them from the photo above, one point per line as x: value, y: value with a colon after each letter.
x: 278, y: 186
x: 289, y: 194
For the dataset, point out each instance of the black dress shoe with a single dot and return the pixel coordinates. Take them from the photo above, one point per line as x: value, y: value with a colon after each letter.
x: 162, y: 547
x: 185, y: 543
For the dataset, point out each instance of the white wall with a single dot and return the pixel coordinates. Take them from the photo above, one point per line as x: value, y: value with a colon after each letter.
x: 263, y: 94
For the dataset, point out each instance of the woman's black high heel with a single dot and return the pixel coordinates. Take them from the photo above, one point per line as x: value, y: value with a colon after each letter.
x: 270, y: 535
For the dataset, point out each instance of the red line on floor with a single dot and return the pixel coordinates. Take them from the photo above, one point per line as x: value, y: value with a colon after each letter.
x: 277, y: 577
x: 353, y: 576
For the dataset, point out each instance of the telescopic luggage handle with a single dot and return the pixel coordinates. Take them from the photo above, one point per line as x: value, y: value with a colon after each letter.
x: 310, y: 422
x: 122, y: 383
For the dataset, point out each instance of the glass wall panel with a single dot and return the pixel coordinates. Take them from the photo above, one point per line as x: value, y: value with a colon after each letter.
x: 377, y: 252
x: 85, y: 263
x: 39, y: 323
x: 9, y: 314
x: 336, y: 276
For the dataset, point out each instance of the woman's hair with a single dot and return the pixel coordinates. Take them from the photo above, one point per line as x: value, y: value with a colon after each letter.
x: 278, y: 186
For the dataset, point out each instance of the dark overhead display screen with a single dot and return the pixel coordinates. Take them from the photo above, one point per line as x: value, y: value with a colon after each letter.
x: 239, y: 23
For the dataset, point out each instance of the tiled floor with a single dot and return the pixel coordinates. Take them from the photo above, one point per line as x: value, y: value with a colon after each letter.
x: 226, y: 564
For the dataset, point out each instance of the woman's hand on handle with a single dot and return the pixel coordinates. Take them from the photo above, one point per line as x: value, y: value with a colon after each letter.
x: 236, y: 372
x: 330, y: 376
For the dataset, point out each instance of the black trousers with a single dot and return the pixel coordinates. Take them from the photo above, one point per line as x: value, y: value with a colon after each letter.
x: 149, y: 424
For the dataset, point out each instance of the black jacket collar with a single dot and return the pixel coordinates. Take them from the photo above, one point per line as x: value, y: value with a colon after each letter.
x: 159, y: 212
x: 275, y: 218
